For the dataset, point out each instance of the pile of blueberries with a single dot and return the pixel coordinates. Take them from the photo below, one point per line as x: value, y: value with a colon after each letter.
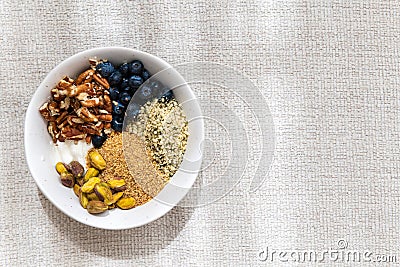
x: 124, y: 82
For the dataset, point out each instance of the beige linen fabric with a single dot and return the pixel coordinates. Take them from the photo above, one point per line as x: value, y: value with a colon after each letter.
x: 330, y: 73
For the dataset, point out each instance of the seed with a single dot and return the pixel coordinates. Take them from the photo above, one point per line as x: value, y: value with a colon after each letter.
x: 96, y: 207
x: 117, y: 185
x: 103, y: 192
x: 89, y: 185
x: 77, y: 189
x: 67, y: 179
x: 76, y: 169
x: 83, y: 199
x: 91, y: 172
x: 116, y: 197
x: 126, y: 203
x: 60, y: 168
x: 96, y: 160
x: 92, y: 196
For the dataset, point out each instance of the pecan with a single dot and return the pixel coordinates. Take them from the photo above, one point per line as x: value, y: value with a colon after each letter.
x: 62, y: 117
x: 64, y: 84
x: 44, y: 111
x: 107, y: 103
x: 107, y: 125
x: 75, y: 90
x: 53, y: 108
x: 93, y: 102
x: 72, y: 133
x: 72, y: 120
x: 53, y: 131
x: 57, y: 96
x: 86, y: 115
x: 85, y: 77
x: 65, y: 103
x: 105, y: 117
x: 103, y: 82
x: 90, y: 129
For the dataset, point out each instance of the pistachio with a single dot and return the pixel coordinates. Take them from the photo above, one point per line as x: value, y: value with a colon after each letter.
x: 60, y: 168
x: 126, y: 203
x: 117, y: 185
x: 76, y: 169
x: 116, y: 197
x: 83, y: 199
x: 67, y: 179
x: 96, y: 160
x: 77, y: 189
x: 96, y: 207
x: 91, y: 172
x: 89, y: 185
x: 92, y: 196
x: 79, y: 181
x: 103, y: 192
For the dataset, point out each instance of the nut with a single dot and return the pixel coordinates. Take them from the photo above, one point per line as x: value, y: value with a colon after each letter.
x: 79, y: 181
x: 117, y: 185
x: 92, y: 196
x: 67, y: 179
x: 102, y: 81
x: 76, y: 107
x: 105, y: 117
x: 83, y: 199
x: 96, y: 207
x: 89, y: 185
x: 91, y: 172
x: 103, y: 193
x: 96, y: 160
x: 60, y: 168
x: 116, y: 197
x: 126, y: 203
x: 77, y: 190
x: 86, y: 115
x: 85, y: 77
x: 76, y: 169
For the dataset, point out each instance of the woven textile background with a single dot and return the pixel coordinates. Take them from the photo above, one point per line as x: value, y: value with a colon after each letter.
x: 330, y: 73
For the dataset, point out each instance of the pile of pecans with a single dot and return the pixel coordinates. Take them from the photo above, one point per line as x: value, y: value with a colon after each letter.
x: 80, y: 108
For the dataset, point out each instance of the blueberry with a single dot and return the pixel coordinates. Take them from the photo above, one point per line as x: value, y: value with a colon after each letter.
x: 98, y: 140
x: 119, y: 119
x: 124, y: 83
x: 135, y: 81
x: 118, y: 109
x: 124, y: 69
x: 136, y: 67
x: 145, y: 92
x: 105, y: 69
x: 125, y: 98
x: 116, y: 124
x: 125, y: 89
x: 132, y: 91
x: 145, y: 75
x: 168, y: 95
x: 115, y: 78
x: 114, y: 93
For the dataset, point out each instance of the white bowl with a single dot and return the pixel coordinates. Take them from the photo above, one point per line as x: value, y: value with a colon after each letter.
x: 42, y: 157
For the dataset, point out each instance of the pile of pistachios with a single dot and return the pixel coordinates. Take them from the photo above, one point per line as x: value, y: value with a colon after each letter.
x: 95, y: 195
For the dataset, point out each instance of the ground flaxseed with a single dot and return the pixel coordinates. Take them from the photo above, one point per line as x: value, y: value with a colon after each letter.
x: 142, y: 180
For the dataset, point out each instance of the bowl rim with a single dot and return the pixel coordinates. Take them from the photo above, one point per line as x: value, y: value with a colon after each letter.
x: 165, y: 208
